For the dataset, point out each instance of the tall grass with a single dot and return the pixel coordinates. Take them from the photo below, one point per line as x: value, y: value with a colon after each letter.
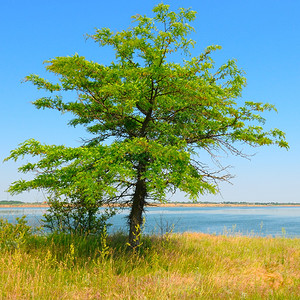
x: 175, y: 266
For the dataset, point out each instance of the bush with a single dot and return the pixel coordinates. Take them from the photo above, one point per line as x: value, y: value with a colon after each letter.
x: 12, y: 236
x: 75, y: 216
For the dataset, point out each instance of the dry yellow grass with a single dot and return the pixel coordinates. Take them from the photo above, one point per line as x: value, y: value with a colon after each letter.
x: 178, y: 266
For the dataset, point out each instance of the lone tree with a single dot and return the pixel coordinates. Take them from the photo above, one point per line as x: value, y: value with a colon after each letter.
x: 148, y: 118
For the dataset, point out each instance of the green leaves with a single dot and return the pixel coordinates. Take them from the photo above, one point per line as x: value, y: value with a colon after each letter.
x: 41, y: 83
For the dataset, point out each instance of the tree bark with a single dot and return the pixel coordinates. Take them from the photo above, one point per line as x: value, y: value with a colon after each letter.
x: 137, y: 209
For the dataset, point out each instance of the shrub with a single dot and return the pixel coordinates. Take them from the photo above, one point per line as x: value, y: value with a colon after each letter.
x: 12, y: 236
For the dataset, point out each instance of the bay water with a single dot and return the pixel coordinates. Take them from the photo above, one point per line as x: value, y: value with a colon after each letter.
x: 243, y: 220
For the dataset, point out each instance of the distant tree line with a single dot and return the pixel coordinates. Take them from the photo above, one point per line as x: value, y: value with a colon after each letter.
x: 10, y: 202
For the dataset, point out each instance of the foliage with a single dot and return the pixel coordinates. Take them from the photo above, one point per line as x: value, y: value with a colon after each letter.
x: 76, y: 216
x: 148, y: 117
x: 12, y: 236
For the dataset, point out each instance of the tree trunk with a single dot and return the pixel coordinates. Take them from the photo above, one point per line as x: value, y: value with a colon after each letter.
x: 137, y: 208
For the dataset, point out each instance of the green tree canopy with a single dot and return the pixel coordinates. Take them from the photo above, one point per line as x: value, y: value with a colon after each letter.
x: 147, y: 115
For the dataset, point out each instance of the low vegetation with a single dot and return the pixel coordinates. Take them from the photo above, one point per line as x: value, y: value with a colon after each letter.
x: 173, y: 266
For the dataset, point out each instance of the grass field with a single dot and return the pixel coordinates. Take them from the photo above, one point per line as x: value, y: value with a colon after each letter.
x: 175, y: 266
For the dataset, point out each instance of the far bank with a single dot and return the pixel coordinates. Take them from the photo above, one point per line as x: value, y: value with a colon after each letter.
x: 172, y: 204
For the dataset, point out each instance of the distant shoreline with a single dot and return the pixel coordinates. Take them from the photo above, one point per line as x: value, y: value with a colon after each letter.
x: 44, y: 205
x: 221, y: 204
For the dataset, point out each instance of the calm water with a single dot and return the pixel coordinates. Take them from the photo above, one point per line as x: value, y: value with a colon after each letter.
x: 261, y: 221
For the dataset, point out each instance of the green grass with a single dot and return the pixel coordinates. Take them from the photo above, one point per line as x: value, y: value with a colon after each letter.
x: 176, y: 266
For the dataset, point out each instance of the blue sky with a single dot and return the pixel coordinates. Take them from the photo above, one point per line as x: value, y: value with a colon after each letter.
x: 262, y: 35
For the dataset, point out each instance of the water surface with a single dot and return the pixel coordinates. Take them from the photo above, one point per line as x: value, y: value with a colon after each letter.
x: 259, y: 221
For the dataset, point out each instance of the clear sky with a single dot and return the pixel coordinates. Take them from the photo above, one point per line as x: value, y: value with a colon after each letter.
x: 262, y: 35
